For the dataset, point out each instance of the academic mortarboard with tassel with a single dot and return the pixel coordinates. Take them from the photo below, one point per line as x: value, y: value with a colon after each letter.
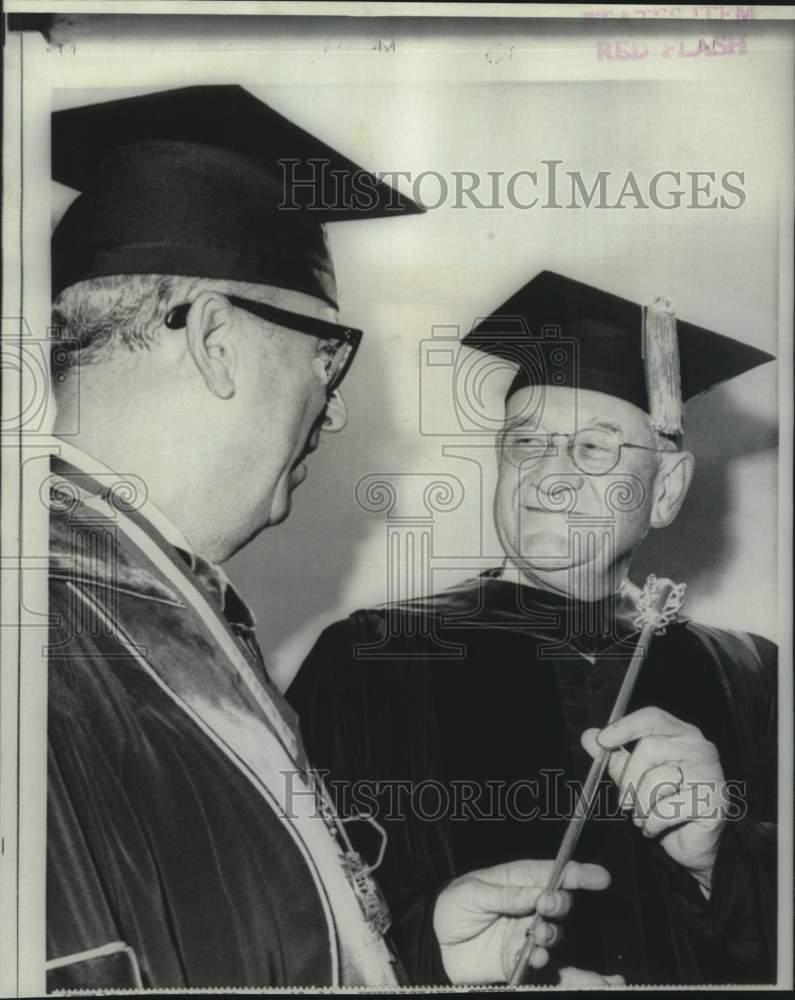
x: 206, y: 182
x: 565, y: 333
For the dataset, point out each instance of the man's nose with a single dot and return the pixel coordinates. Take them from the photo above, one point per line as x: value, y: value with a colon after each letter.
x: 336, y: 416
x: 555, y: 472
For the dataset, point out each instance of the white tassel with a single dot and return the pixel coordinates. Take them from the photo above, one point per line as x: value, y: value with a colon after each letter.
x: 661, y: 365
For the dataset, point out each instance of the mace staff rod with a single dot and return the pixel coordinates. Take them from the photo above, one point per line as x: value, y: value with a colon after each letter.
x: 658, y: 605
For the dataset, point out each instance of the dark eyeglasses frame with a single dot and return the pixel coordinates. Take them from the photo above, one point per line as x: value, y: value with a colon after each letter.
x: 320, y: 328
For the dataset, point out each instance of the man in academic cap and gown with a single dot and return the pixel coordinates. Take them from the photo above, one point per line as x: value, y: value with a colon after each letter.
x: 189, y: 843
x: 496, y: 691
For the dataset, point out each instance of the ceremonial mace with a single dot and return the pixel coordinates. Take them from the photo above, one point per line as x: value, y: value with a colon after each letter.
x: 658, y: 604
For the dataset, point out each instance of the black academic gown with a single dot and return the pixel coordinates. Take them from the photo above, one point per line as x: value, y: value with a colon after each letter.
x: 483, y: 691
x: 176, y: 856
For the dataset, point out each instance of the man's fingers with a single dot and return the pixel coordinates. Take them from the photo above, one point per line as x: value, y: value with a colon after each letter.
x: 658, y: 783
x: 518, y: 935
x: 521, y: 900
x: 659, y: 766
x: 590, y: 742
x: 644, y: 722
x: 517, y: 900
x: 648, y: 754
x: 539, y: 958
x: 546, y: 935
x: 525, y: 871
x: 669, y: 812
x: 502, y: 900
x: 617, y: 761
x: 692, y: 802
x: 570, y: 976
x: 554, y: 905
x: 585, y: 876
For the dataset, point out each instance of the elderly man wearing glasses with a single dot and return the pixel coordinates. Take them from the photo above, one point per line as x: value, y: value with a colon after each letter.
x: 498, y: 690
x: 190, y: 843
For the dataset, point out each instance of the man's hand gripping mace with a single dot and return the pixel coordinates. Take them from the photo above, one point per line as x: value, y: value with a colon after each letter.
x: 658, y: 605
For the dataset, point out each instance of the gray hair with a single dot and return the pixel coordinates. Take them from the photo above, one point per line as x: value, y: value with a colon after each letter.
x: 92, y: 319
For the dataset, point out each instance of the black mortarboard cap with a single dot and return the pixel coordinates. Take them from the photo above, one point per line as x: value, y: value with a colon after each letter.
x: 207, y: 182
x: 562, y: 332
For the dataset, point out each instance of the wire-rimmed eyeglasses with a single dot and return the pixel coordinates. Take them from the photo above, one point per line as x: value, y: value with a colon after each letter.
x: 594, y: 450
x: 346, y: 339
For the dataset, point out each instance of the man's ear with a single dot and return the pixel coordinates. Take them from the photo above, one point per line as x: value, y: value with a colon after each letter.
x: 671, y: 484
x: 208, y: 335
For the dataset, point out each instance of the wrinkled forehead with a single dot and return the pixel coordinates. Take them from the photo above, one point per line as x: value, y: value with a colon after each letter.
x: 566, y: 410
